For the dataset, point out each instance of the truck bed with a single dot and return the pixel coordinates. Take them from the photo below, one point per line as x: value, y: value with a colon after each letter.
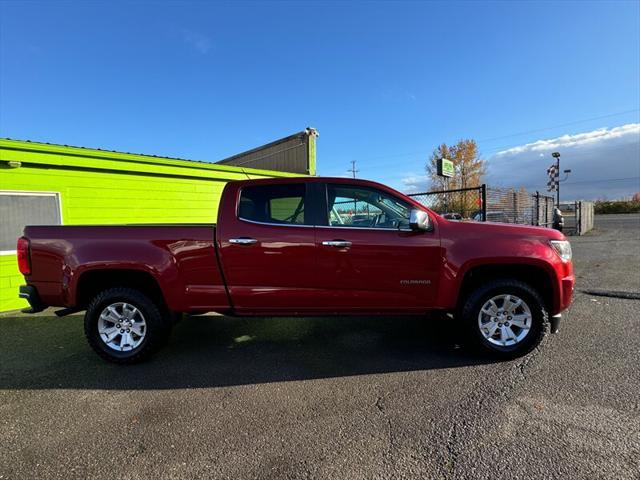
x: 181, y: 260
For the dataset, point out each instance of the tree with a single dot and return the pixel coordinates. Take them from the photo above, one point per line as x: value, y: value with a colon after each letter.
x: 469, y: 167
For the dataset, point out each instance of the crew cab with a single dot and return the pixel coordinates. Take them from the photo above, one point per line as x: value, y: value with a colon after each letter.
x: 302, y: 247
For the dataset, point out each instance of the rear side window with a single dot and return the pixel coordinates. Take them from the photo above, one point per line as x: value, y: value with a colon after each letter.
x: 278, y: 204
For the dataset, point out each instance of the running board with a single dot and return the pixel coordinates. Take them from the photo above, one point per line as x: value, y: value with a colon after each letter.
x: 67, y: 311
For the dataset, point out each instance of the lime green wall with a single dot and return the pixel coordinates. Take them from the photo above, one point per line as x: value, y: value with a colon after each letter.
x: 10, y: 280
x: 98, y: 187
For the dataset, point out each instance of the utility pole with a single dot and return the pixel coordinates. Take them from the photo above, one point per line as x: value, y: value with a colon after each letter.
x: 556, y: 155
x: 353, y: 172
x: 353, y: 168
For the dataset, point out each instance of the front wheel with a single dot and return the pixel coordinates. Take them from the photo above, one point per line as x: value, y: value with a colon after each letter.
x: 124, y: 326
x: 506, y: 318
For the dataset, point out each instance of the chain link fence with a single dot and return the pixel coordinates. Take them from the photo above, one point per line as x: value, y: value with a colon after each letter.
x: 578, y: 217
x: 586, y: 211
x: 544, y: 209
x: 459, y: 204
x: 491, y: 204
x: 509, y: 205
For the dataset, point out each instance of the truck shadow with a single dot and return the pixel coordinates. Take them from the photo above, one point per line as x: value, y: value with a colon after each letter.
x: 211, y: 351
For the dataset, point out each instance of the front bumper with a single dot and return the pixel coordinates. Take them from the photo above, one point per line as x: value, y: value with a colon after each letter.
x: 568, y: 285
x: 30, y: 294
x: 555, y: 322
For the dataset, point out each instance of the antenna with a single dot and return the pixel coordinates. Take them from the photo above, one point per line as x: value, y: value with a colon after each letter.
x: 353, y: 168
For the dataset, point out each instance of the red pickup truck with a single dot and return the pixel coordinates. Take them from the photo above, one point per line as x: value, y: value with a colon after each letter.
x: 302, y: 247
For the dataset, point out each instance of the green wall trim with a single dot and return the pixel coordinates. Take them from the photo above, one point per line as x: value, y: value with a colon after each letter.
x: 60, y: 155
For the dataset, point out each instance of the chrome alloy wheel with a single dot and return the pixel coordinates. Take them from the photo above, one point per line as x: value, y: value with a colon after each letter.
x: 505, y: 320
x: 122, y: 327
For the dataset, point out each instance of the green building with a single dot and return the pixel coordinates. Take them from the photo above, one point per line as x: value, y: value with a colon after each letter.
x: 45, y: 184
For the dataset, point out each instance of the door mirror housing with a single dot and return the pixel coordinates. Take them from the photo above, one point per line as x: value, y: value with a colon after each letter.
x: 419, y: 220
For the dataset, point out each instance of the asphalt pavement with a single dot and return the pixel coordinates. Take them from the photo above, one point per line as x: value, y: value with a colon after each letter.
x: 342, y: 398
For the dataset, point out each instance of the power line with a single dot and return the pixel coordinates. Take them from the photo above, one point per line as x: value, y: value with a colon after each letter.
x: 496, y: 150
x: 559, y: 125
x: 571, y: 158
x: 603, y: 180
x: 424, y: 151
x: 567, y: 158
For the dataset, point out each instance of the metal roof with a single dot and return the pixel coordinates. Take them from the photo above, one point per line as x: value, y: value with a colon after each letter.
x: 78, y: 151
x: 92, y: 158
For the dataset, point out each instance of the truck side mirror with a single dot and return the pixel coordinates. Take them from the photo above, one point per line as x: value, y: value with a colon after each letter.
x: 419, y: 220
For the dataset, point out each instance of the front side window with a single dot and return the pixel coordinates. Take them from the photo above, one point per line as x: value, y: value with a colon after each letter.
x: 278, y: 204
x: 356, y: 206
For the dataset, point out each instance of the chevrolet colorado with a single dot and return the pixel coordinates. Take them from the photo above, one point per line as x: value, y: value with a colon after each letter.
x: 301, y: 247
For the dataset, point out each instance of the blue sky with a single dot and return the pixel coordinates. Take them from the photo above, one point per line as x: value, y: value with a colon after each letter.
x: 383, y: 82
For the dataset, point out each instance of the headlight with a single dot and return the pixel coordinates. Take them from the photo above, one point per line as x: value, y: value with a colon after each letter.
x: 562, y: 248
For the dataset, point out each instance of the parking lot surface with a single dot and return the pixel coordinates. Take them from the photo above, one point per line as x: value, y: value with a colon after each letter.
x: 337, y: 397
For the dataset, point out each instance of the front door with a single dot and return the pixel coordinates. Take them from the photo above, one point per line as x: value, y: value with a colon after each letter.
x: 368, y: 258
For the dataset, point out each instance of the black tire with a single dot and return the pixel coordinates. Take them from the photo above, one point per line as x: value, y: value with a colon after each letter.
x: 176, y: 317
x: 158, y: 325
x: 470, y: 312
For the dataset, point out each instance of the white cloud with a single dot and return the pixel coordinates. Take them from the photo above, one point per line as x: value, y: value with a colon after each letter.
x: 199, y: 42
x: 411, y: 96
x: 605, y: 163
x: 586, y: 139
x: 413, y: 183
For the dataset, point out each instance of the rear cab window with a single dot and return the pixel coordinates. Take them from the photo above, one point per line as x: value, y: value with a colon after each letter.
x: 274, y: 204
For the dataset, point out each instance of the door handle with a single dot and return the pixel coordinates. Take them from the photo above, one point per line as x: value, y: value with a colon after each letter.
x: 336, y: 243
x: 243, y: 241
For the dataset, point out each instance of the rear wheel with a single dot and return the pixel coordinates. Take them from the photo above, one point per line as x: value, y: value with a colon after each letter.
x: 124, y: 326
x: 506, y: 318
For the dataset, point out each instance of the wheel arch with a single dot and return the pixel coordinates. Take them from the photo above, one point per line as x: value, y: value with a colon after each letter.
x: 93, y: 281
x: 534, y: 275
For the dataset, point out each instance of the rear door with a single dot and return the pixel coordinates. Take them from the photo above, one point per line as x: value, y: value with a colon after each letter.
x: 267, y: 248
x: 368, y: 258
